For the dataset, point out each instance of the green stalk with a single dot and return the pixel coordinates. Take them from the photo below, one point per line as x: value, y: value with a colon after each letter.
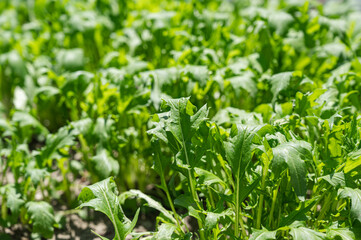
x: 238, y: 220
x: 273, y: 206
x: 193, y: 191
x: 4, y: 210
x: 66, y: 187
x: 236, y: 227
x: 4, y: 174
x: 263, y: 187
x: 244, y: 234
x: 325, y: 207
x: 42, y: 189
x: 274, y: 199
x: 165, y: 187
x: 84, y: 149
x: 260, y: 205
x: 211, y: 197
x: 320, y: 186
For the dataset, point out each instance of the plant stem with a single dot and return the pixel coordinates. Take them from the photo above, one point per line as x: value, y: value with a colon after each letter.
x: 192, y: 188
x: 3, y: 175
x: 42, y: 189
x: 263, y: 186
x: 4, y: 209
x: 259, y: 212
x: 326, y: 205
x: 236, y: 227
x: 238, y: 220
x: 171, y: 203
x: 85, y: 150
x: 274, y: 199
x: 211, y: 197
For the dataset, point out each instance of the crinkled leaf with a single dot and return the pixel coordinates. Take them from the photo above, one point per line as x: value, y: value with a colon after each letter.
x: 41, y: 216
x: 343, y: 233
x: 14, y: 201
x: 213, y: 218
x: 262, y: 234
x: 239, y: 147
x: 36, y: 174
x: 102, y: 197
x: 294, y: 155
x: 280, y: 82
x: 182, y: 122
x: 83, y: 126
x: 54, y: 142
x: 104, y: 165
x: 159, y: 130
x: 245, y: 81
x: 199, y: 73
x: 303, y: 233
x: 165, y: 231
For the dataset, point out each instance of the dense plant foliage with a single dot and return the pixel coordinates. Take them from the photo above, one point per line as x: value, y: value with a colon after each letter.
x: 245, y: 115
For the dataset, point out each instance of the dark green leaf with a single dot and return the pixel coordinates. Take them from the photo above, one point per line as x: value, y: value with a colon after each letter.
x: 294, y: 154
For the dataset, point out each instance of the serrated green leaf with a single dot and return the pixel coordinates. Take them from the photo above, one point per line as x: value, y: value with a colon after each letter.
x: 165, y: 231
x: 280, y: 82
x: 182, y: 123
x: 104, y: 165
x: 263, y: 234
x: 36, y: 174
x: 151, y: 202
x: 294, y: 155
x: 343, y: 233
x: 245, y: 81
x: 102, y: 197
x: 42, y: 218
x: 14, y: 201
x: 238, y: 149
x: 54, y: 142
x: 213, y: 218
x: 303, y: 233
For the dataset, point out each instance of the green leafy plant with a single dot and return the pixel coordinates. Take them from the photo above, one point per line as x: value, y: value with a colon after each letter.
x: 217, y: 119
